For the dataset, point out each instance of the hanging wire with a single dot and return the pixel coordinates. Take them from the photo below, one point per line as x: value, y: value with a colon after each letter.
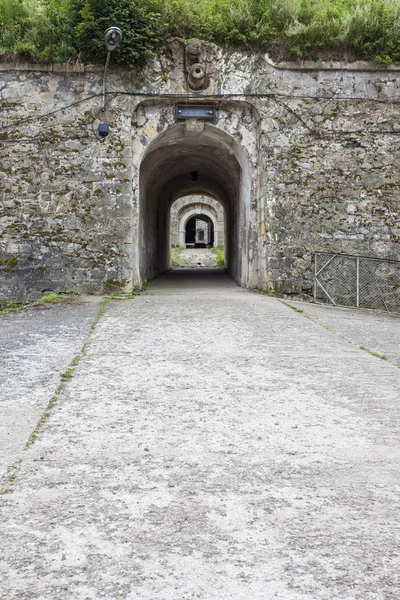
x: 276, y: 96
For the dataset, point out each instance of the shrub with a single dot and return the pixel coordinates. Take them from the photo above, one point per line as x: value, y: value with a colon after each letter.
x: 61, y: 30
x: 42, y: 30
x: 139, y: 20
x: 374, y: 30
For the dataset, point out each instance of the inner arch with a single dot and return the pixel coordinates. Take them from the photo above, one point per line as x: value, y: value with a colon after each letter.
x: 180, y: 162
x: 194, y: 234
x: 189, y: 206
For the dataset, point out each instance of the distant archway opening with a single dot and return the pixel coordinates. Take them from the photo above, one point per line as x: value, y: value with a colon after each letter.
x: 213, y: 223
x: 199, y: 232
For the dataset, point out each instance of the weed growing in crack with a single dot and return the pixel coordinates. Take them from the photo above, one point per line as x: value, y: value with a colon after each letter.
x: 44, y: 417
x: 372, y: 353
x: 96, y: 320
x: 122, y: 296
x: 298, y: 310
x: 48, y: 299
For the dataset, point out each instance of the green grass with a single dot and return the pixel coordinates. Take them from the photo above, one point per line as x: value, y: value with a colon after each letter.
x: 63, y: 30
x: 220, y: 255
x: 372, y: 353
x: 176, y: 257
x: 49, y: 299
x: 11, y: 306
x: 122, y: 296
x: 178, y: 261
x: 298, y: 310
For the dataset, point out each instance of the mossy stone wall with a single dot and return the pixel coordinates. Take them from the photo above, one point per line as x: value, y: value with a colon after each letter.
x: 328, y: 141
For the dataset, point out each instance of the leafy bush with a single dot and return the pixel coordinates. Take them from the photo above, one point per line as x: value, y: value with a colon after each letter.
x: 61, y: 30
x: 369, y: 28
x: 229, y: 21
x: 139, y: 20
x: 42, y: 30
x: 374, y: 30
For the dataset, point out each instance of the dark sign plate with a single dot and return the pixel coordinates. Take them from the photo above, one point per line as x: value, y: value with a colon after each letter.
x: 195, y: 111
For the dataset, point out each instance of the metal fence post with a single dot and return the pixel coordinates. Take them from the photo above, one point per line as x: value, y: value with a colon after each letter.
x: 315, y: 277
x: 358, y: 282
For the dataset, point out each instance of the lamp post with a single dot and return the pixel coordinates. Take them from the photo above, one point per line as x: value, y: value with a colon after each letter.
x: 112, y: 38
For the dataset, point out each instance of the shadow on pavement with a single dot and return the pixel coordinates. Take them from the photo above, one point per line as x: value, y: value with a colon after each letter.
x: 202, y: 279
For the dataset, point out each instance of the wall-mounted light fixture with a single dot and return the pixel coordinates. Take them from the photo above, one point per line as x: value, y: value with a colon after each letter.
x: 112, y: 38
x: 205, y: 112
x: 103, y: 130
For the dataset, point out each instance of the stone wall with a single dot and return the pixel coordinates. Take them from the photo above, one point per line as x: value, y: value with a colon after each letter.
x: 320, y: 143
x: 334, y: 189
x: 66, y: 196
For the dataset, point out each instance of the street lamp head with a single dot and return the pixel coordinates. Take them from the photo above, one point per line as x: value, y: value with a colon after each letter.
x: 112, y: 38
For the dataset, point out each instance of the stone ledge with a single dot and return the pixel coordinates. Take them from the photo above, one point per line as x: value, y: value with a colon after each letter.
x: 304, y: 65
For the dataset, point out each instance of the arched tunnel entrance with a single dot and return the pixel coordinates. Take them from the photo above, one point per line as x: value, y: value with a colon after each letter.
x: 209, y: 216
x: 183, y: 161
x: 199, y: 232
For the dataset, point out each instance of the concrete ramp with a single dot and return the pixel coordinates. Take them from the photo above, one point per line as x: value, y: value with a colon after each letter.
x: 212, y: 444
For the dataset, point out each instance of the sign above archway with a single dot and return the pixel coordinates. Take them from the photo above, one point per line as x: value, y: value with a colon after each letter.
x: 196, y: 111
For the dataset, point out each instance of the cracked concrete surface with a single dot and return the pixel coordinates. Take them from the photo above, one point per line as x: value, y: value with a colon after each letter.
x: 378, y: 331
x: 36, y: 345
x: 213, y: 444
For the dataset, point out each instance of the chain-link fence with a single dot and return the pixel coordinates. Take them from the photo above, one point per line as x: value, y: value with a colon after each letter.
x: 359, y: 281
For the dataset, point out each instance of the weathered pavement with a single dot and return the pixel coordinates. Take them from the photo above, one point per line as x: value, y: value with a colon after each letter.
x: 212, y: 444
x: 36, y: 346
x: 376, y: 331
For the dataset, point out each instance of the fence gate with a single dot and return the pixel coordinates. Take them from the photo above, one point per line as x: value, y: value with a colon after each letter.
x: 358, y: 281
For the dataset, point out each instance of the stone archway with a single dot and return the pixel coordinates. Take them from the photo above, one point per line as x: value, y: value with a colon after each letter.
x: 198, y: 159
x: 196, y: 205
x: 205, y: 215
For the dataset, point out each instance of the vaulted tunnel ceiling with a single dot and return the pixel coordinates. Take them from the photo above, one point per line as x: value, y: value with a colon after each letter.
x: 190, y: 163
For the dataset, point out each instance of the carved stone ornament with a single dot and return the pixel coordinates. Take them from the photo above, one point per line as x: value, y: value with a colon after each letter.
x: 195, y: 65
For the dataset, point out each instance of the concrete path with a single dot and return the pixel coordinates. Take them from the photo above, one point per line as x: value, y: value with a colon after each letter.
x: 377, y: 331
x: 212, y: 444
x: 36, y: 346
